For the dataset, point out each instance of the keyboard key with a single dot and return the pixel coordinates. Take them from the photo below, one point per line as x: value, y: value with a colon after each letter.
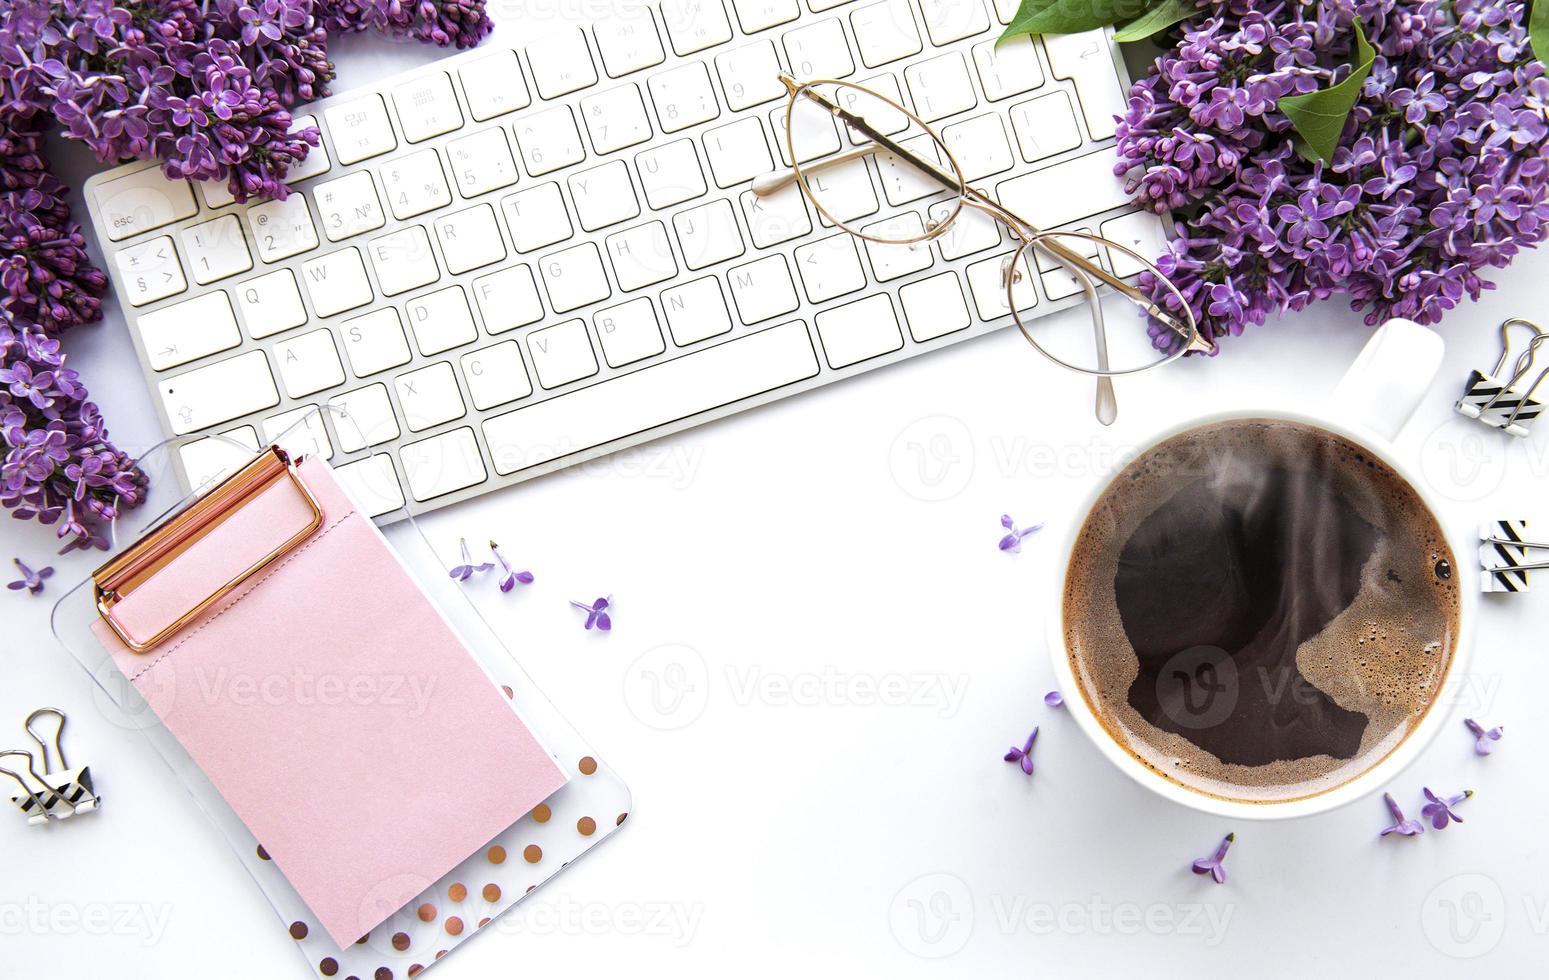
x: 818, y: 6
x: 629, y: 332
x: 494, y: 86
x: 756, y: 15
x: 1007, y: 68
x: 763, y: 290
x: 209, y: 461
x: 360, y: 129
x: 150, y: 271
x: 481, y: 163
x: 971, y: 231
x: 442, y: 464
x: 429, y: 397
x: 934, y: 307
x: 1087, y: 60
x: 845, y: 190
x: 574, y: 277
x: 271, y: 304
x: 616, y: 118
x: 650, y: 397
x: 1006, y: 9
x: 885, y: 32
x: 537, y: 217
x: 495, y: 375
x: 562, y: 63
x: 941, y: 86
x: 895, y: 261
x: 1058, y: 282
x: 508, y: 299
x: 308, y: 362
x: 300, y: 432
x: 427, y: 107
x: 548, y: 140
x: 980, y: 146
x: 830, y: 268
x: 952, y: 20
x: 349, y: 206
x: 859, y: 331
x: 141, y: 201
x: 603, y: 196
x: 1141, y: 231
x: 372, y: 484
x: 441, y: 320
x: 375, y: 342
x: 403, y: 260
x: 815, y: 135
x: 904, y: 182
x: 986, y: 280
x: 337, y: 282
x: 819, y: 50
x: 683, y: 96
x: 363, y: 417
x: 628, y: 42
x: 188, y: 330
x: 696, y: 311
x: 738, y: 151
x: 750, y: 75
x: 641, y: 256
x: 216, y: 249
x: 1045, y: 126
x: 775, y: 218
x: 1065, y: 192
x: 470, y: 239
x: 693, y: 25
x: 218, y: 392
x: 562, y: 353
x: 670, y: 174
x: 316, y: 161
x: 708, y: 234
x: 415, y: 184
x: 282, y: 228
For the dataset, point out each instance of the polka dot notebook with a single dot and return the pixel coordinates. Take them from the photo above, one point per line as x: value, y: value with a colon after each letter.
x: 417, y: 917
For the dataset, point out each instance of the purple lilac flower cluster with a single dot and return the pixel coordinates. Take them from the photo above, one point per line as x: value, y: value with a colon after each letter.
x: 1442, y: 171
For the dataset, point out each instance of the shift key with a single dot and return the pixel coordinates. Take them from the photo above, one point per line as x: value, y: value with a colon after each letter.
x: 1066, y: 192
x: 219, y: 393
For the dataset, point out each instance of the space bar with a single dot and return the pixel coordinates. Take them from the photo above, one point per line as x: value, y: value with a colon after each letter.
x: 653, y: 396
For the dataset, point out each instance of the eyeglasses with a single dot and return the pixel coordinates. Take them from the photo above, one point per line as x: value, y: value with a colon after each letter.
x: 831, y: 127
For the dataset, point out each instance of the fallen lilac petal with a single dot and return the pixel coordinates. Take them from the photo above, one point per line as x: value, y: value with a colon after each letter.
x: 465, y: 571
x: 1054, y: 699
x: 1013, y: 542
x: 31, y: 580
x: 596, y: 615
x: 511, y: 577
x: 1483, y: 737
x: 1439, y: 810
x: 1024, y: 755
x: 1212, y: 865
x: 1401, y: 825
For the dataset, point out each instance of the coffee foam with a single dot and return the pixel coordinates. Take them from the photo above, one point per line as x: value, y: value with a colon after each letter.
x: 1384, y: 656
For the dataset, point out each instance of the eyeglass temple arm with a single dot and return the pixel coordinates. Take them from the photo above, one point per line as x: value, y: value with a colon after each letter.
x: 850, y: 119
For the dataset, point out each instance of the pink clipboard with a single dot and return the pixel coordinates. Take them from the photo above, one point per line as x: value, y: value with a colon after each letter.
x: 343, y: 719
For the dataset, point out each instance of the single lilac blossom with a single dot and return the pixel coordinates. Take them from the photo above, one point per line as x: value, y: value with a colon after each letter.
x: 511, y: 577
x: 464, y: 572
x: 1482, y: 736
x: 1439, y: 810
x: 1401, y: 824
x: 1024, y: 756
x: 31, y: 580
x: 1212, y: 865
x: 1013, y: 540
x: 596, y: 613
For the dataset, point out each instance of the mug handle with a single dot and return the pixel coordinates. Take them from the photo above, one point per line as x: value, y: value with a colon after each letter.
x: 1392, y: 373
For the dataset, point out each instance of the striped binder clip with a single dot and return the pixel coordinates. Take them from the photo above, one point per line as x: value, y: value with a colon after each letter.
x: 1500, y: 403
x: 1503, y: 551
x: 59, y: 791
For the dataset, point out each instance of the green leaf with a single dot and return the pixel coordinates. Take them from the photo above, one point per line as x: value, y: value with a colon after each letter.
x: 1538, y: 30
x: 1162, y: 15
x: 1070, y: 16
x: 1320, y: 116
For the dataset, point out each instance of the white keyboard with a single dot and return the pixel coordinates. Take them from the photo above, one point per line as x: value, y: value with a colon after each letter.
x: 515, y: 260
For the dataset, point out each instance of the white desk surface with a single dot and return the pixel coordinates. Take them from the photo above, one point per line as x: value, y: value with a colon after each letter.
x: 855, y: 657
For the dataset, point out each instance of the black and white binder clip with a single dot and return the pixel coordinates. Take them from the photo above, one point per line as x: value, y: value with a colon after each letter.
x: 1503, y: 551
x: 58, y: 791
x: 1499, y: 402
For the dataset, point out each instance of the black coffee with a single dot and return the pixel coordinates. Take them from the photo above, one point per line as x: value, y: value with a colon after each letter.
x: 1259, y: 609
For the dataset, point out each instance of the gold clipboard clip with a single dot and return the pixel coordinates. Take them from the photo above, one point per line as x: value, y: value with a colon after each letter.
x: 118, y: 579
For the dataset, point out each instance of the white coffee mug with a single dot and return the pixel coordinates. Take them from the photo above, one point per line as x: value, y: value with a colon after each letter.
x: 1370, y: 406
